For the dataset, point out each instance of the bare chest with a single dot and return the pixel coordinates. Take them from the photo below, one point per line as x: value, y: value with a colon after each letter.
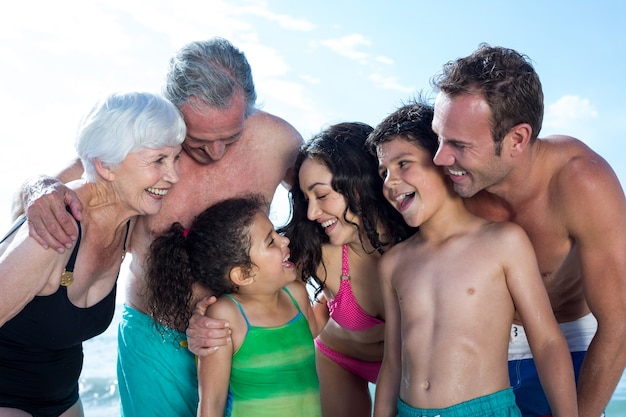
x: 201, y: 186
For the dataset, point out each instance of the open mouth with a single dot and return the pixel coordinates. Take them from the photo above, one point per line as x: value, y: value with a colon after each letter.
x: 404, y: 200
x: 328, y: 223
x: 157, y: 191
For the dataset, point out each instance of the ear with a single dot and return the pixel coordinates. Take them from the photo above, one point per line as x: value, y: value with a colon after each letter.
x: 238, y: 277
x: 519, y: 137
x: 104, y: 170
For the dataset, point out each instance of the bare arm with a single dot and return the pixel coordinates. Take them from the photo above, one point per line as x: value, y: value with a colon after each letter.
x: 389, y: 378
x: 595, y: 209
x: 214, y: 375
x: 44, y: 199
x: 26, y: 270
x: 291, y: 141
x: 320, y: 311
x: 548, y: 346
x: 204, y: 334
x: 316, y: 319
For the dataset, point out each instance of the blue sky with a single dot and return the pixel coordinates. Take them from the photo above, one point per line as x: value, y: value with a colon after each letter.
x: 314, y: 63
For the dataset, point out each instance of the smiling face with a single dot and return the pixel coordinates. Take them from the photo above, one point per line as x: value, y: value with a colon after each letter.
x: 211, y: 131
x: 326, y: 206
x: 412, y: 183
x: 466, y: 147
x: 269, y: 253
x: 143, y: 178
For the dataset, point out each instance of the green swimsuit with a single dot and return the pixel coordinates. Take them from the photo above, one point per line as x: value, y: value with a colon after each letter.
x: 273, y: 372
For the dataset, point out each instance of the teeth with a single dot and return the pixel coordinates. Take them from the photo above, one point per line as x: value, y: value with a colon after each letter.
x: 157, y: 191
x: 401, y: 197
x: 328, y: 223
x: 457, y: 173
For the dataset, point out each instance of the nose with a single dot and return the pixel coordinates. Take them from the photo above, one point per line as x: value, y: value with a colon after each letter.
x: 170, y: 173
x: 443, y: 157
x: 215, y: 149
x: 284, y: 241
x: 390, y: 179
x: 313, y: 211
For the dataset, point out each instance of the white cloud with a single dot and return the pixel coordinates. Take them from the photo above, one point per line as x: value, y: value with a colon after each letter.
x: 569, y: 110
x: 390, y: 83
x: 284, y: 21
x: 346, y: 46
x: 384, y: 60
x: 310, y: 79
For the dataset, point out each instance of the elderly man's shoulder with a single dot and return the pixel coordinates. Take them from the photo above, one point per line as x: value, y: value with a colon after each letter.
x: 264, y: 122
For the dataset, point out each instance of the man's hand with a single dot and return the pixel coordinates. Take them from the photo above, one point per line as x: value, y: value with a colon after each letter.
x: 44, y: 201
x: 204, y: 334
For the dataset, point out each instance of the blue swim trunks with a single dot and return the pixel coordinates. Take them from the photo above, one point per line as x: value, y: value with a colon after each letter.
x: 157, y: 374
x: 498, y: 404
x: 523, y: 374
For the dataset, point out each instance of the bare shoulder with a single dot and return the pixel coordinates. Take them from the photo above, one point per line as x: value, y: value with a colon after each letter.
x: 503, y: 234
x: 581, y: 178
x: 575, y: 162
x: 275, y: 129
x: 396, y: 254
x: 224, y: 309
x: 298, y: 291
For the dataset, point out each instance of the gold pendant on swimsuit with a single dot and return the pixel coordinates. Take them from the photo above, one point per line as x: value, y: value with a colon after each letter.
x: 67, y: 277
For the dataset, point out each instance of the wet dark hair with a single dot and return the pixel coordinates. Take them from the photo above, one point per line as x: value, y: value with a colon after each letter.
x: 341, y: 148
x: 508, y: 82
x: 217, y: 241
x: 412, y: 122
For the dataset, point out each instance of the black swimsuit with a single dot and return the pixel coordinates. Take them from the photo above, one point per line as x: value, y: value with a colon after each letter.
x: 41, y: 355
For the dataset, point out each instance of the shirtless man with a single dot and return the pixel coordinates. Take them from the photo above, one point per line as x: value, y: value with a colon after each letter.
x: 451, y: 292
x: 231, y: 148
x: 488, y: 114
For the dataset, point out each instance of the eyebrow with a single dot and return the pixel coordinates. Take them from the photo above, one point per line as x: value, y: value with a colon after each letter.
x: 400, y: 156
x: 315, y: 184
x: 233, y: 136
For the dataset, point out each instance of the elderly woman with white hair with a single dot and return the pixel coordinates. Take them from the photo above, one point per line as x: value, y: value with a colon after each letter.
x: 51, y: 302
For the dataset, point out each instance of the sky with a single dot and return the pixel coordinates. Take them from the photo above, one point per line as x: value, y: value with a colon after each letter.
x: 314, y: 63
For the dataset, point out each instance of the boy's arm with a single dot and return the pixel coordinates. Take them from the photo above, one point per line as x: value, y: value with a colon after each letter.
x: 44, y: 199
x: 549, y: 348
x: 389, y: 378
x: 214, y: 375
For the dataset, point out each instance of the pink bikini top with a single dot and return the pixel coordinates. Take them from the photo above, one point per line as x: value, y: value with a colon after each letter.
x: 344, y: 308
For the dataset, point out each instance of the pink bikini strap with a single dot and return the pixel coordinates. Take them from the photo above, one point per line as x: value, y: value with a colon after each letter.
x: 345, y: 268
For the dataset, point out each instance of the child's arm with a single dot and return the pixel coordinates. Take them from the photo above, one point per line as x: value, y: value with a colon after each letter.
x: 549, y: 348
x: 214, y: 370
x: 388, y: 383
x: 314, y: 314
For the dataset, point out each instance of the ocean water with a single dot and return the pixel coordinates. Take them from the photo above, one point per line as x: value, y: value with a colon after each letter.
x: 98, y: 384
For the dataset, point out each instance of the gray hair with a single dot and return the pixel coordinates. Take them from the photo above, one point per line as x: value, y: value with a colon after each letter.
x: 209, y: 72
x: 122, y: 123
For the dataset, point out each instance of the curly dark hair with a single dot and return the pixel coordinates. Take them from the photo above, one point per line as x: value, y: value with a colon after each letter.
x: 506, y: 79
x: 217, y: 241
x: 341, y: 148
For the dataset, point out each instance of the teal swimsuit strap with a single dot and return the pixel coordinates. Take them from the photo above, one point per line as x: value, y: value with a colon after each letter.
x: 240, y: 309
x: 292, y: 299
x: 246, y: 318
